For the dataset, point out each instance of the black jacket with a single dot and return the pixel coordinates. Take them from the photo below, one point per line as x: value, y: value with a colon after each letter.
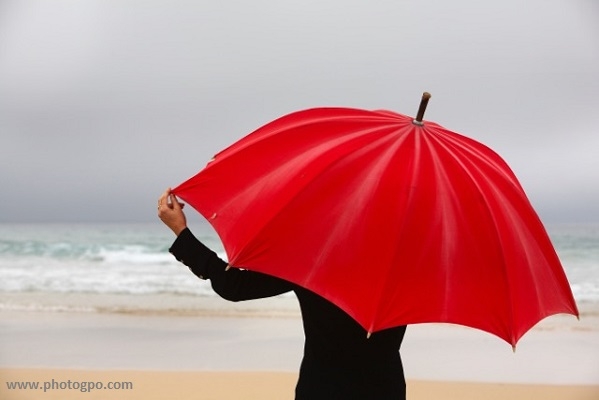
x: 340, y: 362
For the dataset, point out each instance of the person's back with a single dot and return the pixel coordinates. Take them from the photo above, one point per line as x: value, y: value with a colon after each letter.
x: 340, y: 362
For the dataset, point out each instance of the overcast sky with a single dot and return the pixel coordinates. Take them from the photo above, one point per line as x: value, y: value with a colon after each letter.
x: 104, y: 104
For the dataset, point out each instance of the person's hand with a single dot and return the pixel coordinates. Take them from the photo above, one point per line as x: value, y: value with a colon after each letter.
x: 170, y: 211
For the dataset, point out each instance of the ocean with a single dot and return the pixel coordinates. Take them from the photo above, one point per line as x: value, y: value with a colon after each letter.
x: 132, y: 260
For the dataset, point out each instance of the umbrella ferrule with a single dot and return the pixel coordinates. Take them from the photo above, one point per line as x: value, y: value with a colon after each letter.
x: 423, y: 103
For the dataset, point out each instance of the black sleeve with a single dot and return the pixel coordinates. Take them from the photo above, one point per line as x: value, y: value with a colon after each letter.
x: 231, y: 284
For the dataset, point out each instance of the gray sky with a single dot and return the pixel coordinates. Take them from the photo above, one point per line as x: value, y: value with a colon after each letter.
x: 104, y: 104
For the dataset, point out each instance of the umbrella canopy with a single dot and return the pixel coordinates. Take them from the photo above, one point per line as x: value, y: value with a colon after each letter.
x: 394, y: 220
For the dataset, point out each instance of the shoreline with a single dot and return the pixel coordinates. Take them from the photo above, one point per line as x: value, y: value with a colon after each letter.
x: 186, y: 305
x: 166, y: 304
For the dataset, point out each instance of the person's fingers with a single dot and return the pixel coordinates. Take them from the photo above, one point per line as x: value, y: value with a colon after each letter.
x: 174, y: 204
x: 163, y: 198
x: 170, y: 212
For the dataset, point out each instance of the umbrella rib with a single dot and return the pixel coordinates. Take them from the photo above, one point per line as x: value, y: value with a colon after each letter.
x: 394, y: 148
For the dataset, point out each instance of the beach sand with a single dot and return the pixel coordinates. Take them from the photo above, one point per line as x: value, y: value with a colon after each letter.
x: 259, y: 385
x: 242, y: 353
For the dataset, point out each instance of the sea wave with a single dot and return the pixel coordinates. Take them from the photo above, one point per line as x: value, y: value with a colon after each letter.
x: 135, y: 260
x: 112, y: 253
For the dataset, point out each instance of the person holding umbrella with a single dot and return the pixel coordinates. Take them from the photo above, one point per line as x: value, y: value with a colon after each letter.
x: 375, y: 220
x: 341, y: 359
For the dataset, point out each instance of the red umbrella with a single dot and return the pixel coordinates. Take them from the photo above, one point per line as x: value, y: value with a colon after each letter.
x: 395, y: 220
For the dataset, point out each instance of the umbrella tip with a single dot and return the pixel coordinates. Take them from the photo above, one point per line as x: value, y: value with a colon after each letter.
x: 368, y: 335
x: 423, y: 103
